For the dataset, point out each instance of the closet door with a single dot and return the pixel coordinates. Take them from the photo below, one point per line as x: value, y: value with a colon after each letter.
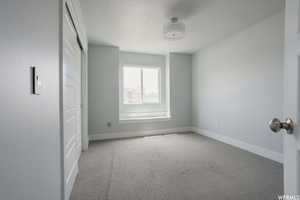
x: 71, y: 102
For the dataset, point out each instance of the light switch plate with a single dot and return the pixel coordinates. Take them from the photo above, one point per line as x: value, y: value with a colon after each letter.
x: 37, y: 82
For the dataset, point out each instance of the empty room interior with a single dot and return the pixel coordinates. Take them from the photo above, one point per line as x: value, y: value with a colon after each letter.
x: 150, y: 100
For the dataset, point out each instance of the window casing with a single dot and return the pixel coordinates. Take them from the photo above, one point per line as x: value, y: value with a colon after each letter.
x: 142, y: 92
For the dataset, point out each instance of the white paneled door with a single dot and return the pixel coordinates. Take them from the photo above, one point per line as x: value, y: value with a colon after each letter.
x: 292, y: 97
x: 71, y: 102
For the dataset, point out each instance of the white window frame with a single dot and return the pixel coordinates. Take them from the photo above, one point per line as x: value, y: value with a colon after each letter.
x: 146, y: 112
x: 141, y: 67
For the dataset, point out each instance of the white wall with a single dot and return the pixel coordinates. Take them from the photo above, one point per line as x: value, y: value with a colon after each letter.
x: 238, y: 84
x: 104, y: 100
x: 142, y: 59
x: 30, y: 151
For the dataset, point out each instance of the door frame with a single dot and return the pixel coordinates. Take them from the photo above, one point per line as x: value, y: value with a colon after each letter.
x: 291, y: 105
x: 84, y: 100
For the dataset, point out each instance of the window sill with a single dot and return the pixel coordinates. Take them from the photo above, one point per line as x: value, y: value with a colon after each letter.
x: 144, y: 119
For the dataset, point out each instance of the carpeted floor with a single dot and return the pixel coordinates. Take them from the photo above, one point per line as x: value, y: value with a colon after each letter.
x: 175, y: 167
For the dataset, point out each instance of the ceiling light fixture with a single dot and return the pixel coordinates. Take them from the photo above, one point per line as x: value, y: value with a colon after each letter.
x: 174, y: 30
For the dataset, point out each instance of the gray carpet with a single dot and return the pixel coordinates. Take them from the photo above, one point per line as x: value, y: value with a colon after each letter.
x: 175, y: 167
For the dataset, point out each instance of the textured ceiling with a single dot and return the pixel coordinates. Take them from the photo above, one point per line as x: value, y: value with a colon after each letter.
x: 136, y: 25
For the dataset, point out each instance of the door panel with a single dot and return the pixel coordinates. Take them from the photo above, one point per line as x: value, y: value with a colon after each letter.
x: 71, y: 103
x: 291, y: 97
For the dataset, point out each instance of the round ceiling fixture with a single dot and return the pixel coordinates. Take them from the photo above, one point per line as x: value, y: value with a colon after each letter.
x: 174, y: 30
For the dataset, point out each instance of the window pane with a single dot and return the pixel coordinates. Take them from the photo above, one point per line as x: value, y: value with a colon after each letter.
x: 150, y: 85
x: 132, y: 85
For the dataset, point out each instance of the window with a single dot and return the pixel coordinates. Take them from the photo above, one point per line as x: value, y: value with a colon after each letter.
x: 141, y: 85
x: 143, y: 88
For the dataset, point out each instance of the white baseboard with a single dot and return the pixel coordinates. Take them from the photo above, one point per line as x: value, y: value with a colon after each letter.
x: 278, y: 157
x: 130, y: 134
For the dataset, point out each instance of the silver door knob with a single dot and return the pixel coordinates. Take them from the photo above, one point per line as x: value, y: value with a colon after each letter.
x: 276, y: 125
